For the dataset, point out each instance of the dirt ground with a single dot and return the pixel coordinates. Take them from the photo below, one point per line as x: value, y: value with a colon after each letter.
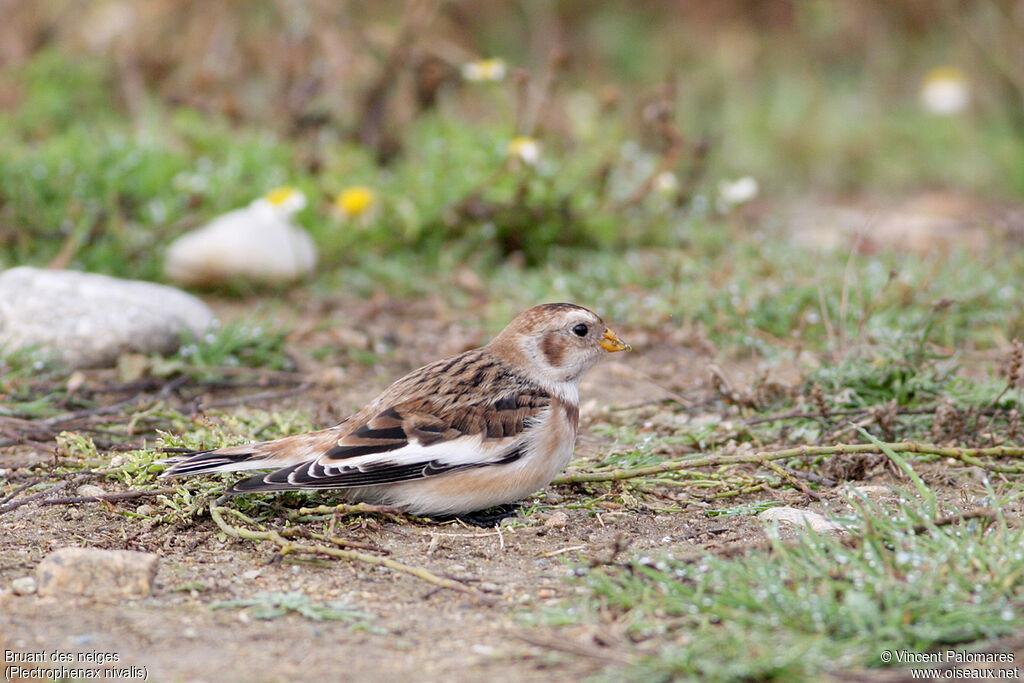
x: 416, y: 632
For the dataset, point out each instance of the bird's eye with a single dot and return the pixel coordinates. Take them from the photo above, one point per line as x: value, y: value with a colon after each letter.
x: 580, y: 330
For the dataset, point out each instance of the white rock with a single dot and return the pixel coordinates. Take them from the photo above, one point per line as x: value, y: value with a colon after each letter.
x: 88, y: 320
x: 26, y: 585
x: 801, y: 518
x: 89, y: 490
x: 557, y: 520
x: 257, y: 243
x: 98, y: 573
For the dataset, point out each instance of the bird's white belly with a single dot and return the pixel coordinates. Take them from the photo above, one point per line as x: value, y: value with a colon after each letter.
x: 478, y: 488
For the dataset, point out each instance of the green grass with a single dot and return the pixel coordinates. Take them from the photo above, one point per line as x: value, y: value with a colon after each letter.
x: 273, y: 605
x: 813, y: 605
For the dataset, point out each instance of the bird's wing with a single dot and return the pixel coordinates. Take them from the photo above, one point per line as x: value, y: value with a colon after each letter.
x: 419, y: 438
x: 470, y: 410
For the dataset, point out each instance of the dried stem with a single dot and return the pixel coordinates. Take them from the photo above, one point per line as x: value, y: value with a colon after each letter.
x: 350, y: 509
x: 852, y: 541
x: 971, y: 456
x: 123, y: 495
x: 12, y: 505
x: 287, y: 547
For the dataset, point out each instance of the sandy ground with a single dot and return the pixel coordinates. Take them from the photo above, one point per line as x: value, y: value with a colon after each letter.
x: 415, y: 631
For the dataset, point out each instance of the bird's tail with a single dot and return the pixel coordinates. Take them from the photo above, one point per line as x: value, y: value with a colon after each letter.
x: 275, y: 454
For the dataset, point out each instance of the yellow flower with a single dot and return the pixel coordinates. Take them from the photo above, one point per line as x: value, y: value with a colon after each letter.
x: 355, y: 201
x: 286, y: 199
x: 524, y: 149
x: 493, y: 70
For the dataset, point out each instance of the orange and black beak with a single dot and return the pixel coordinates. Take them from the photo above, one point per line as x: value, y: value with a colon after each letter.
x: 611, y: 342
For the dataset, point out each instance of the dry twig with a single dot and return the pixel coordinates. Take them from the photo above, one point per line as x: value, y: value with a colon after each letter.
x: 108, y: 497
x: 971, y: 456
x: 14, y: 504
x: 287, y: 547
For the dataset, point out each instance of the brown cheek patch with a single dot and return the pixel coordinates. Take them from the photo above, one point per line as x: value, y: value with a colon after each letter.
x: 553, y: 349
x: 572, y: 414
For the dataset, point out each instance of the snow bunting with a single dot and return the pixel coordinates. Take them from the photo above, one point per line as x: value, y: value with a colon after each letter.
x: 481, y: 429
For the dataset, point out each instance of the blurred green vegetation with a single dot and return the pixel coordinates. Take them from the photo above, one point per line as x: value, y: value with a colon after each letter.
x: 802, y: 98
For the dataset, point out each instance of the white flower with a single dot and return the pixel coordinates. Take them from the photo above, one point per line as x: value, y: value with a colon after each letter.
x: 524, y: 149
x: 733, y: 192
x: 257, y: 243
x: 945, y: 91
x: 491, y: 70
x: 666, y: 183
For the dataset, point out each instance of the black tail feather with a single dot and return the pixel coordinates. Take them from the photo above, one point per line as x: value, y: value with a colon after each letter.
x: 201, y: 462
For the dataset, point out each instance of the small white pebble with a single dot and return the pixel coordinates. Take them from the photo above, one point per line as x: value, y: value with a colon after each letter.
x: 557, y: 520
x: 90, y: 490
x: 25, y: 585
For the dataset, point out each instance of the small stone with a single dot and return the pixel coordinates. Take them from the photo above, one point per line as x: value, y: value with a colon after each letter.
x: 75, y: 381
x: 468, y: 280
x: 86, y: 320
x: 545, y: 594
x: 978, y: 474
x: 90, y: 490
x: 557, y: 520
x: 802, y: 518
x: 25, y: 585
x: 552, y: 498
x: 93, y: 572
x: 131, y: 367
x: 251, y: 574
x: 349, y: 338
x: 145, y: 510
x: 875, y: 492
x: 329, y: 377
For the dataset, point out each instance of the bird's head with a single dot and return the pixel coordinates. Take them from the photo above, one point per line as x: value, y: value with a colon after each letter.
x: 556, y: 344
